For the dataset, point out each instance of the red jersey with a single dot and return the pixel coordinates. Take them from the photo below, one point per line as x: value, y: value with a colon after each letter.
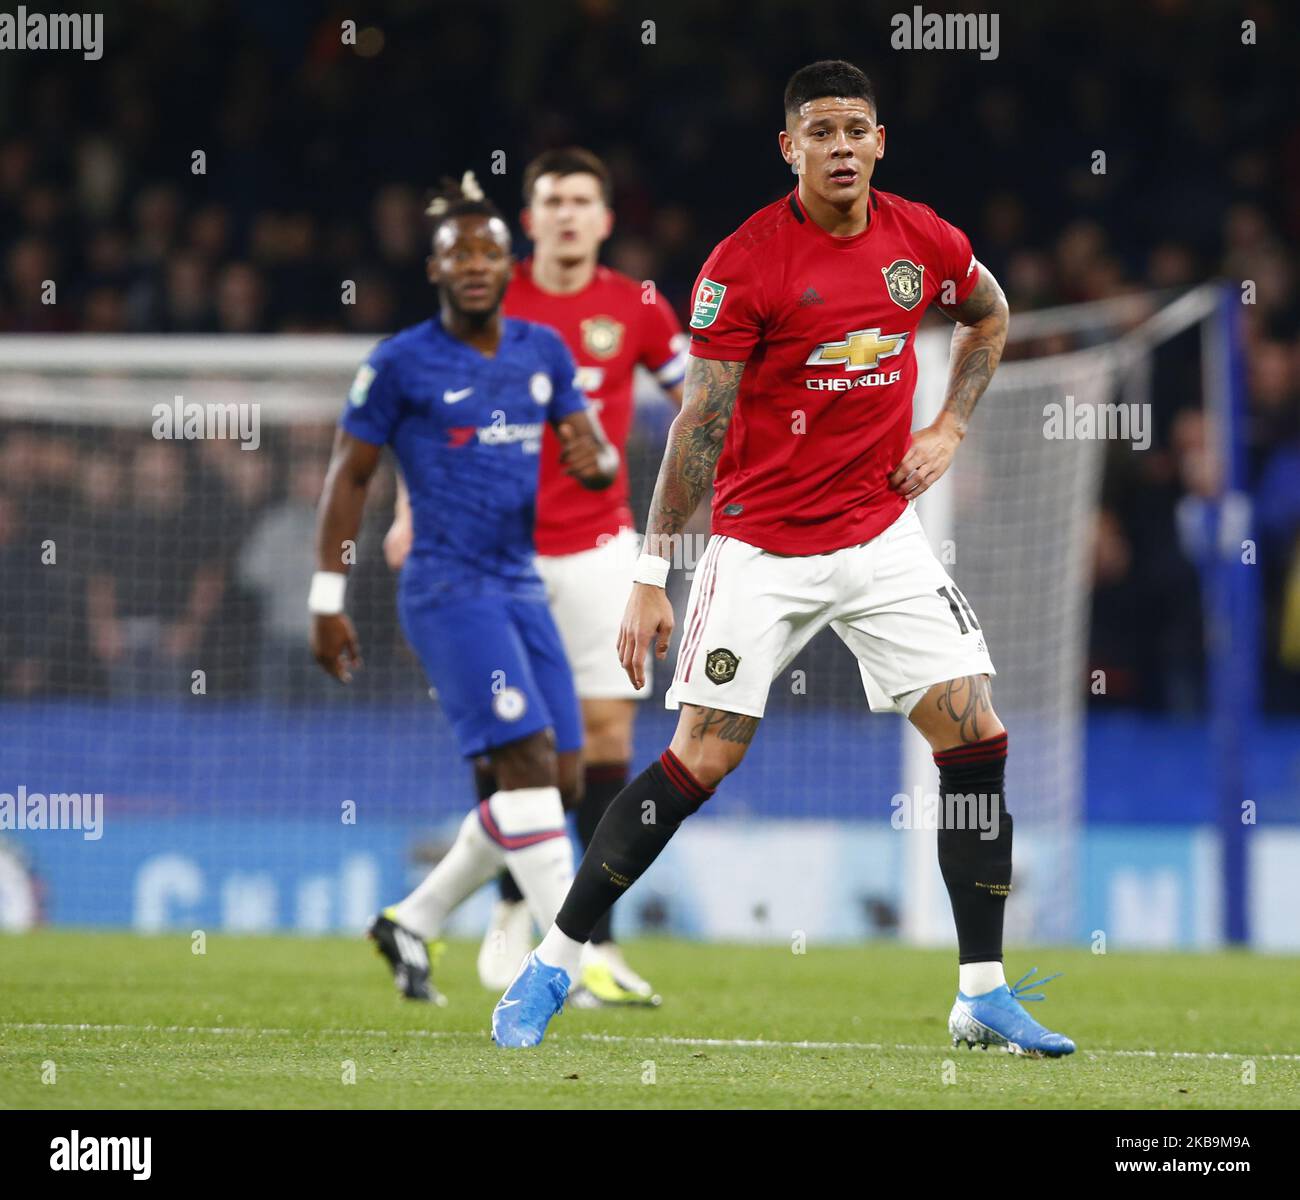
x: 609, y: 326
x: 826, y: 327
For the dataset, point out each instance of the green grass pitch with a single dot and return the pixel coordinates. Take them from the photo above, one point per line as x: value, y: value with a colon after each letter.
x: 99, y: 1020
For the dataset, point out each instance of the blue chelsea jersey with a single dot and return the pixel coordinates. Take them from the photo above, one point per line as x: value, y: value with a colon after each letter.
x: 467, y: 431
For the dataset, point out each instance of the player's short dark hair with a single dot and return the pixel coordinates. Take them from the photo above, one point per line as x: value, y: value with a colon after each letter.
x: 454, y: 199
x: 569, y: 160
x: 830, y: 77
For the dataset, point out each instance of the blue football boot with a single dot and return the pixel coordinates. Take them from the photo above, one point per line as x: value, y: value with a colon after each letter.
x: 997, y: 1018
x: 522, y: 1014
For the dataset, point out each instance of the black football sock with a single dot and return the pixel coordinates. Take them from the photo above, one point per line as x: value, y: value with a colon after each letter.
x: 637, y: 825
x: 508, y: 889
x: 976, y: 866
x: 603, y: 782
x: 485, y: 783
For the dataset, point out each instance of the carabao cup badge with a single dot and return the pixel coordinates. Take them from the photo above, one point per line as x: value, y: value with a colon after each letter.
x: 708, y: 300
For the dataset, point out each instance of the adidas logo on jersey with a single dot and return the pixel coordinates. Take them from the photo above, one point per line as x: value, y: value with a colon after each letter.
x: 810, y: 296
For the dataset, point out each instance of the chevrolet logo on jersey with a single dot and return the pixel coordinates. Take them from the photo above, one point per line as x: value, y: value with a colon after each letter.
x: 860, y: 351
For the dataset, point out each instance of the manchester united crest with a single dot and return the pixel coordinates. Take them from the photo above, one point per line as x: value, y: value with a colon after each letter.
x: 903, y: 279
x: 720, y: 665
x: 602, y: 337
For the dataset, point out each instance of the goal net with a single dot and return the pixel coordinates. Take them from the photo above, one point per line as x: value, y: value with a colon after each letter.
x: 156, y: 518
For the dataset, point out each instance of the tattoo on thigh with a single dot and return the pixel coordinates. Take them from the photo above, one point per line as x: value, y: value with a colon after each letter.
x: 965, y: 701
x: 725, y: 726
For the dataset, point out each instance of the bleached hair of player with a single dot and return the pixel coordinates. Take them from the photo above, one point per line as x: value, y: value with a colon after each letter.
x: 460, y: 199
x: 468, y: 189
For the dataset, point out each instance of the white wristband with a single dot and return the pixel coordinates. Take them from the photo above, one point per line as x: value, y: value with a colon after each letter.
x: 651, y: 569
x: 607, y: 460
x: 326, y: 596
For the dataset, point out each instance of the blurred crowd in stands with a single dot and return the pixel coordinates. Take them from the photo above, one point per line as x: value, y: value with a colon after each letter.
x: 227, y: 166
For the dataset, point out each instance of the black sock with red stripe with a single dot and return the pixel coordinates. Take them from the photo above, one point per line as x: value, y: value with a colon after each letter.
x: 975, y: 844
x: 602, y: 782
x: 639, y: 822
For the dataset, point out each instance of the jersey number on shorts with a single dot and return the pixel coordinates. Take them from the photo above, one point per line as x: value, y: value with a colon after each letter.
x: 954, y: 597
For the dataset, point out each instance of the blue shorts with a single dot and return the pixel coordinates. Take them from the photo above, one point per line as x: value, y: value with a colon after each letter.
x: 496, y: 661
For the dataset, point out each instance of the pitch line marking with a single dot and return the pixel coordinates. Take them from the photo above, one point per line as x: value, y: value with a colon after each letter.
x: 610, y: 1038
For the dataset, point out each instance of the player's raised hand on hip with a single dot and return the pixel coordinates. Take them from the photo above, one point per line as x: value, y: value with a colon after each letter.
x: 647, y: 621
x: 335, y: 646
x: 927, y: 458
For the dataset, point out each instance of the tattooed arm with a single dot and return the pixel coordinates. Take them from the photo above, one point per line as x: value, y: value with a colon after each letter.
x: 976, y: 350
x: 976, y: 347
x: 694, y: 445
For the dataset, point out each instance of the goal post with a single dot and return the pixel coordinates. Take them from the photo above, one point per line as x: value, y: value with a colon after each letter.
x: 1231, y: 584
x: 245, y: 791
x: 1012, y: 520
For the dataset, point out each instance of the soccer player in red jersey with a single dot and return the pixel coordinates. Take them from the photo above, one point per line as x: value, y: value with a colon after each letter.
x: 586, y: 541
x: 798, y: 396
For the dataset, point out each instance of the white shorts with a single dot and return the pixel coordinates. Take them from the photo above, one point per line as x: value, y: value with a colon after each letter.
x: 587, y: 593
x: 891, y: 602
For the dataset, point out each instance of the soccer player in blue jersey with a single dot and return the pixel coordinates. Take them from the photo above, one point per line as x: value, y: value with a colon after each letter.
x: 463, y: 399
